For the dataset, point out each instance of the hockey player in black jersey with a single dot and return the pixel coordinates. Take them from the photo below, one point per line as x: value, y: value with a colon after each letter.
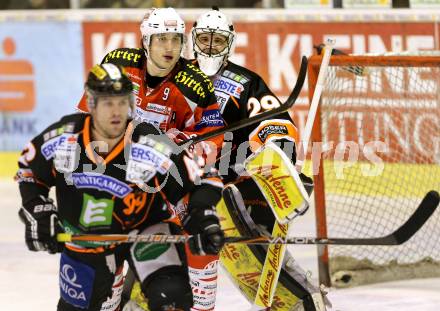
x: 113, y: 175
x: 242, y: 93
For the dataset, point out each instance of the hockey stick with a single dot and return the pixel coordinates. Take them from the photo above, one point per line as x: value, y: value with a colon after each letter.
x: 400, y: 236
x: 356, y: 70
x: 259, y: 117
x: 315, y: 102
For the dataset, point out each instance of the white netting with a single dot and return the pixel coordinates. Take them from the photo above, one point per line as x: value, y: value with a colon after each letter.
x: 389, y: 114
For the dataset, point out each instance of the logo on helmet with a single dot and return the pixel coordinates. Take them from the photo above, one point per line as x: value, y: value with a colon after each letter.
x: 98, y: 72
x: 117, y: 86
x: 170, y: 23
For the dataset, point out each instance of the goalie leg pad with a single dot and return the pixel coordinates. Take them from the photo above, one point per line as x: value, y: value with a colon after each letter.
x: 168, y: 288
x: 244, y: 262
x: 278, y: 181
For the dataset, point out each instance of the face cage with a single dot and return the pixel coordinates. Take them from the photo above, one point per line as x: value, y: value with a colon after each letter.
x: 199, y: 50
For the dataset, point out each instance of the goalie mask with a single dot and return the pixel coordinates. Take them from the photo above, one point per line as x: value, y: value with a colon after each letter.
x: 213, y: 41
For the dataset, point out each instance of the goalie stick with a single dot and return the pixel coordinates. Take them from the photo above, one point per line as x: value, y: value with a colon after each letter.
x: 400, y: 236
x: 328, y: 49
x: 259, y: 117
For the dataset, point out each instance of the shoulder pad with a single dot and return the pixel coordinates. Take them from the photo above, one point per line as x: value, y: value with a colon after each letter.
x: 193, y: 83
x: 73, y: 123
x: 125, y: 57
x: 239, y: 73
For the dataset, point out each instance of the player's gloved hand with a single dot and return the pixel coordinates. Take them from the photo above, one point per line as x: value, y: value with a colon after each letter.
x: 41, y: 220
x: 208, y: 238
x: 203, y: 152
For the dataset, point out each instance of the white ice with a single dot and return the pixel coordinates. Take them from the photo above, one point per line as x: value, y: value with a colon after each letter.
x: 29, y: 281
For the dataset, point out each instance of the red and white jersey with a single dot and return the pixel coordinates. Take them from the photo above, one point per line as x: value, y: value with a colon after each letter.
x: 184, y: 100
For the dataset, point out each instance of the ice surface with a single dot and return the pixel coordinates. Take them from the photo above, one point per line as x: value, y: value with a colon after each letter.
x: 29, y: 281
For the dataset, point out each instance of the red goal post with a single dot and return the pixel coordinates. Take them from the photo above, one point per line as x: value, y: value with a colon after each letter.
x: 379, y: 124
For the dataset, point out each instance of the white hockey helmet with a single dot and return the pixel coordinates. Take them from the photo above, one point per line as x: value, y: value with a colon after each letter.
x: 213, y: 22
x: 158, y: 21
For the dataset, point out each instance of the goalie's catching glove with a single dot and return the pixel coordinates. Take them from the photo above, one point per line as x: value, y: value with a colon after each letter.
x: 41, y: 225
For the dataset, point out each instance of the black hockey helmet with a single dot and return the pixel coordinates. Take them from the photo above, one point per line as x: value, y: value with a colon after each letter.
x: 107, y: 80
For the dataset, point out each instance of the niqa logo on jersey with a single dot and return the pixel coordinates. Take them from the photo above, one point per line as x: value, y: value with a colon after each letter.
x: 68, y: 283
x: 76, y: 281
x: 101, y: 182
x: 210, y: 118
x: 228, y: 86
x: 69, y: 276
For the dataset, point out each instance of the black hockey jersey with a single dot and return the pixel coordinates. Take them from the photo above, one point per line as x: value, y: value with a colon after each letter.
x: 242, y: 94
x: 95, y: 194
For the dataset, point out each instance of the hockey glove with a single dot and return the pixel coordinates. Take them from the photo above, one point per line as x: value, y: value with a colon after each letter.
x: 208, y: 238
x: 41, y: 220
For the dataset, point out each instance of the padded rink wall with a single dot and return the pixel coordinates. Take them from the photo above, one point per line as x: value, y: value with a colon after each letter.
x: 44, y: 55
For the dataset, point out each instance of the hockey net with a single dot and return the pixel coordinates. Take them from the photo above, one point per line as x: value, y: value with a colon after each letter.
x: 379, y: 126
